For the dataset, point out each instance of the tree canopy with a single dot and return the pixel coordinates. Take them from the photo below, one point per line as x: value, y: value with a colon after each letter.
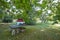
x: 31, y: 9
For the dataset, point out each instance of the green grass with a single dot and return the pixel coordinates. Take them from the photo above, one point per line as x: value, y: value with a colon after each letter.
x: 34, y: 32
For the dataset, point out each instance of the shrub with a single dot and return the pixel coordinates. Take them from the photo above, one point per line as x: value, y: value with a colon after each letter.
x: 7, y: 19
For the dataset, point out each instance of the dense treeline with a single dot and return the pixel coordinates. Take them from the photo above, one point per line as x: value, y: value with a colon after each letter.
x: 29, y: 10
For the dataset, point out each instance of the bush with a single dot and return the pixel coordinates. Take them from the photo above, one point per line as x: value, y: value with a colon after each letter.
x: 55, y: 22
x: 7, y: 19
x: 30, y: 22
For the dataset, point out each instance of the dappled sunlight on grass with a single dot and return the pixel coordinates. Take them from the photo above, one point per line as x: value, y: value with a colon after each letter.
x: 42, y: 30
x: 56, y: 26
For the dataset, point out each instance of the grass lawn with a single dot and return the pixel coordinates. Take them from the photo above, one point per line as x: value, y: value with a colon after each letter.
x: 34, y: 32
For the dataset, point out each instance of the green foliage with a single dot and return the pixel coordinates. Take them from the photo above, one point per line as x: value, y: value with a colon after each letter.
x: 4, y: 4
x: 29, y: 11
x: 7, y: 19
x: 44, y: 4
x: 22, y: 4
x: 57, y: 16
